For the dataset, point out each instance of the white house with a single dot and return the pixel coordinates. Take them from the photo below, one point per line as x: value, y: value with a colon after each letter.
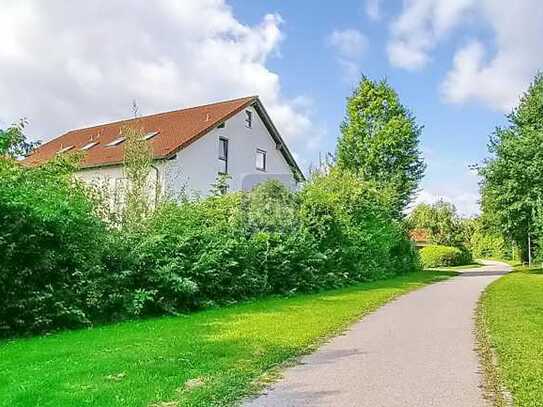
x: 190, y: 147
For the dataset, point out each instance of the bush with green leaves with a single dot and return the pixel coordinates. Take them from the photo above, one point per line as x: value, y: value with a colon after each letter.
x: 356, y: 227
x: 443, y: 256
x: 236, y: 246
x: 63, y: 267
x: 218, y: 250
x: 50, y: 249
x: 486, y: 245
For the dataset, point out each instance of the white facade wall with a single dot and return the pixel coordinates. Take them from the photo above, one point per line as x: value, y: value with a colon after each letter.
x: 195, y: 168
x: 112, y: 182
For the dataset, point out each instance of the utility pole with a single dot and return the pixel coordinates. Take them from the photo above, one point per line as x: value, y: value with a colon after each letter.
x: 530, y: 237
x: 529, y: 250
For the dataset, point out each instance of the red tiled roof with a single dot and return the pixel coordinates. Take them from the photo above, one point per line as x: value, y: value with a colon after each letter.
x: 176, y: 129
x: 419, y: 235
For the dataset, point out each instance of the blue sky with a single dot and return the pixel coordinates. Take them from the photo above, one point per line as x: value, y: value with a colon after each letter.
x: 454, y: 136
x: 458, y: 65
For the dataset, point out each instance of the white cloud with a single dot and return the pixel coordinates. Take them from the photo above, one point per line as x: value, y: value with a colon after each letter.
x: 68, y: 64
x: 495, y: 71
x: 420, y: 26
x: 498, y: 80
x: 373, y: 9
x: 467, y: 204
x: 350, y: 45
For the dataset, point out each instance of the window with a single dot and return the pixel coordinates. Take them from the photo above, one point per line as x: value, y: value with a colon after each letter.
x: 89, y: 145
x: 248, y: 118
x: 149, y: 135
x: 223, y: 155
x: 221, y: 126
x: 64, y: 149
x: 260, y: 159
x: 115, y: 142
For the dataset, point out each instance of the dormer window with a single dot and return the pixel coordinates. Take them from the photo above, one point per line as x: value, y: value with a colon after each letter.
x: 65, y: 149
x: 149, y: 135
x: 89, y: 145
x: 116, y: 142
x: 248, y: 119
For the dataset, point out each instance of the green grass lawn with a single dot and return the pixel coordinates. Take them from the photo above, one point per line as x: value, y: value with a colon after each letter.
x: 209, y: 358
x: 512, y: 313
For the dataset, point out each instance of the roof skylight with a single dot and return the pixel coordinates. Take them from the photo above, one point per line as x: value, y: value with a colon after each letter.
x: 64, y: 149
x: 149, y: 135
x: 116, y: 142
x: 89, y: 145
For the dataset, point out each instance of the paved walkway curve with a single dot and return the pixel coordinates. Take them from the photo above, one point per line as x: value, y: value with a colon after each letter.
x: 418, y: 350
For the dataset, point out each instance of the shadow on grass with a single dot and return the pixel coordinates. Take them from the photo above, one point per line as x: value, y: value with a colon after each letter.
x: 527, y: 270
x: 483, y: 273
x: 138, y: 362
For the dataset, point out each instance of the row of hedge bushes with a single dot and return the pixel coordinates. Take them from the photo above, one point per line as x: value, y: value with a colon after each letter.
x: 444, y: 256
x: 490, y: 245
x: 64, y: 267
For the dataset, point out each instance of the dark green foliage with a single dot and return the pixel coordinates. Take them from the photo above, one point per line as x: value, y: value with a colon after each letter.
x: 13, y: 142
x: 442, y: 256
x: 512, y: 180
x: 270, y: 241
x: 63, y: 267
x: 379, y: 141
x: 50, y: 249
x: 356, y: 227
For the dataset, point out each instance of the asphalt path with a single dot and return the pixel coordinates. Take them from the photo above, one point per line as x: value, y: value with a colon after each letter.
x: 418, y: 350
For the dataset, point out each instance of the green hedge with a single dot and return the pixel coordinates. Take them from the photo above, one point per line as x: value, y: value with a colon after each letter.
x: 486, y: 245
x: 442, y: 256
x: 335, y: 232
x: 50, y: 250
x: 62, y: 267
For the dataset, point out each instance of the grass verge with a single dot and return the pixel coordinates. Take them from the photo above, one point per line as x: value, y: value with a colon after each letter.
x: 510, y: 333
x: 210, y: 358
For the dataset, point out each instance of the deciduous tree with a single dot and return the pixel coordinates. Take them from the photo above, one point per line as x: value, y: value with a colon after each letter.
x: 440, y: 220
x: 512, y: 179
x: 13, y: 142
x: 380, y: 141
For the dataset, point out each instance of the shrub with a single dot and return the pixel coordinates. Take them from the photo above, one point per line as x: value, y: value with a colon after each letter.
x: 64, y: 268
x: 442, y: 256
x: 218, y: 250
x: 356, y: 228
x: 236, y: 246
x: 488, y: 245
x: 50, y: 249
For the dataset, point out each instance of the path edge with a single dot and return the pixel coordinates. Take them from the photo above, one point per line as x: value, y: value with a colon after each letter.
x: 493, y: 387
x: 259, y: 386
